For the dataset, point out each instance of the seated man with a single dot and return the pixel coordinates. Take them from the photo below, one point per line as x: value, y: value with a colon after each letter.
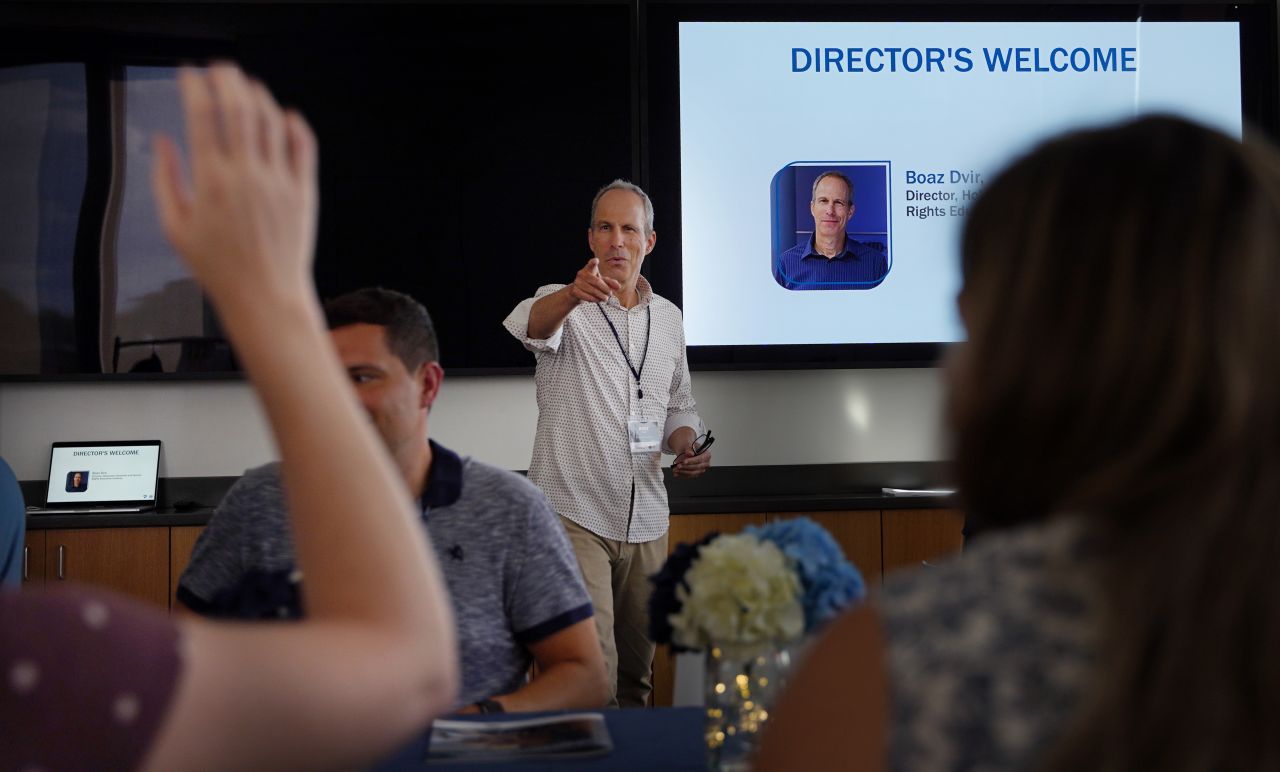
x: 517, y: 593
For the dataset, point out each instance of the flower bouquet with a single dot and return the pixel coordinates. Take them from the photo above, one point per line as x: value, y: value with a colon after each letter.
x: 745, y: 599
x: 768, y: 584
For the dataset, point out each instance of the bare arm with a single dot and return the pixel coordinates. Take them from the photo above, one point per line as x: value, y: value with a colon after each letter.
x: 549, y: 313
x: 571, y: 673
x: 681, y: 440
x: 376, y: 657
x: 834, y: 712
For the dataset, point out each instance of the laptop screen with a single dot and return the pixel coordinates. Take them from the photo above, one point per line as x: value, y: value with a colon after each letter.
x: 92, y: 473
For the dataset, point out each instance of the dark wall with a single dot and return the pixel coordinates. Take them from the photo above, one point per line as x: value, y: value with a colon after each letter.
x: 460, y: 144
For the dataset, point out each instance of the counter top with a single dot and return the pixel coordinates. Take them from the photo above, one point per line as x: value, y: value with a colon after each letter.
x: 159, y: 518
x: 798, y: 488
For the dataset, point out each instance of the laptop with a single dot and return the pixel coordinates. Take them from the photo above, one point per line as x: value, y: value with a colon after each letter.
x: 100, y: 477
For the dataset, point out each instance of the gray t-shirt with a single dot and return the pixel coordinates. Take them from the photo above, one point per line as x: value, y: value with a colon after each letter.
x: 511, y: 573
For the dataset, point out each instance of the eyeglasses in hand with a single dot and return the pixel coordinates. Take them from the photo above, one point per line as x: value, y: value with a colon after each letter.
x: 700, y: 445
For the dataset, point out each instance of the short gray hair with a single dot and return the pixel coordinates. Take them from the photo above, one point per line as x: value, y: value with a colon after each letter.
x: 621, y: 184
x: 848, y: 183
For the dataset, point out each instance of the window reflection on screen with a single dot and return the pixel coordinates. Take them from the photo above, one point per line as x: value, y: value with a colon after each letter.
x: 154, y: 315
x: 43, y: 170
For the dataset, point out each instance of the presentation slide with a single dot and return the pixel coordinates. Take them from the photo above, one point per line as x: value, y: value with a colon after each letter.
x: 779, y: 120
x: 108, y: 473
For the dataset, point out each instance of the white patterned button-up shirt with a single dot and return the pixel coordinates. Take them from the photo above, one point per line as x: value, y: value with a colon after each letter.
x: 582, y: 457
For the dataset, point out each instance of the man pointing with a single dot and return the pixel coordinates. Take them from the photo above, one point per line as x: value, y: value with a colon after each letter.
x: 614, y: 394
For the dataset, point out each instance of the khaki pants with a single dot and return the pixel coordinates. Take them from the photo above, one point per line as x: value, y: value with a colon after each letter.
x: 617, y: 577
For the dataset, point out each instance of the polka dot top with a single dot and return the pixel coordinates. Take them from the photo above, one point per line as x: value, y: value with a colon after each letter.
x: 85, y: 679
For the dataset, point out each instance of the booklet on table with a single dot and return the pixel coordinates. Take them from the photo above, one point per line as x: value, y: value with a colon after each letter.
x: 560, y: 736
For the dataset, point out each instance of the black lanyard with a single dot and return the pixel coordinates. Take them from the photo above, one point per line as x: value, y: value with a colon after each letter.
x: 648, y: 327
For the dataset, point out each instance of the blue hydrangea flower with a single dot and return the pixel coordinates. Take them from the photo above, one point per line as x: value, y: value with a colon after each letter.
x: 830, y: 582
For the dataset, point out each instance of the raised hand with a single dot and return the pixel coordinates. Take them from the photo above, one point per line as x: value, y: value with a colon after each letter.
x: 246, y: 222
x: 589, y: 286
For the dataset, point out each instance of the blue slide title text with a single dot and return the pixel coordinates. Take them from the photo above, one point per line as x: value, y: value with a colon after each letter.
x: 931, y: 59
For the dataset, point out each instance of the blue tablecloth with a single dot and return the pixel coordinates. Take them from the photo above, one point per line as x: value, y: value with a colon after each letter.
x: 668, y: 739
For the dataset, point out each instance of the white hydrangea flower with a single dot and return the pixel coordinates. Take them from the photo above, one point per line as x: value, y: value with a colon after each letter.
x: 741, y: 590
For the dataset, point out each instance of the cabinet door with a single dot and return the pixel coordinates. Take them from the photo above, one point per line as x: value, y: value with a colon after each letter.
x: 858, y: 534
x: 182, y: 539
x: 690, y: 528
x: 131, y: 561
x: 913, y: 536
x: 33, y: 560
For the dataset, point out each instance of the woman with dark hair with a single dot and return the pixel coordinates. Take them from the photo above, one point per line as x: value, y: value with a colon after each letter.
x: 1116, y: 423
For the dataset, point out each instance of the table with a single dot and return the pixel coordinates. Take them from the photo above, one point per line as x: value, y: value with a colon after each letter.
x: 668, y: 739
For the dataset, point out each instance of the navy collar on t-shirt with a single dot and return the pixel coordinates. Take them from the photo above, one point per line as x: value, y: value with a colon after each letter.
x: 444, y: 479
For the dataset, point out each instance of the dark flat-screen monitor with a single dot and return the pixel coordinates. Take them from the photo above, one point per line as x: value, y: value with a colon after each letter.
x: 915, y: 109
x: 461, y: 144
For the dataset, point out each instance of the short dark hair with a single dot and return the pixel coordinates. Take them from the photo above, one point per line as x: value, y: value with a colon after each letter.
x: 411, y: 336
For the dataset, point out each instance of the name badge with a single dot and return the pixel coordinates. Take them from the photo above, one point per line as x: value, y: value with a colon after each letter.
x: 645, y: 434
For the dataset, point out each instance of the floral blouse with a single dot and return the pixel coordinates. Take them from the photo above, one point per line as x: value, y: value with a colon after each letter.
x: 990, y: 653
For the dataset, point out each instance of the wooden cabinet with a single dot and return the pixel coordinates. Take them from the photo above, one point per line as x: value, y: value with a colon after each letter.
x: 690, y: 528
x: 876, y: 541
x: 131, y: 561
x: 33, y: 559
x: 142, y: 562
x: 182, y: 539
x: 914, y: 536
x: 858, y: 534
x: 146, y: 562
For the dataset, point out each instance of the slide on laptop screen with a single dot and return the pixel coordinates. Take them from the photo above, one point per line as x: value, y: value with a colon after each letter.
x: 115, y: 476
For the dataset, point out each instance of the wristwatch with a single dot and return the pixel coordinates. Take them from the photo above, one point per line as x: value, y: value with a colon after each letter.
x: 487, y: 707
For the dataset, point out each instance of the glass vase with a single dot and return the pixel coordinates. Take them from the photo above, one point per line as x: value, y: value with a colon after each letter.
x: 742, y: 684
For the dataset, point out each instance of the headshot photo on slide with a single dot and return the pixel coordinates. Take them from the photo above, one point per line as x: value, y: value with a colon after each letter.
x: 77, y: 482
x: 831, y: 225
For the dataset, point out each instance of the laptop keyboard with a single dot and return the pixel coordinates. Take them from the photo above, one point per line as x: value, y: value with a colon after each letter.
x: 81, y: 510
